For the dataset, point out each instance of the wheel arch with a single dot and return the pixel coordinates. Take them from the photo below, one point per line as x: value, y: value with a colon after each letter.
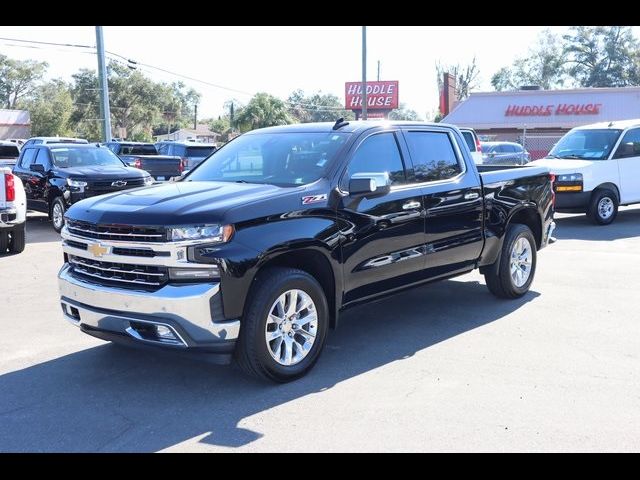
x: 528, y: 215
x: 607, y: 186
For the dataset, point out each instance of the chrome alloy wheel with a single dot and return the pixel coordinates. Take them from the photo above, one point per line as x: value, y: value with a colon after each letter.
x: 58, y: 216
x: 521, y: 256
x: 291, y: 327
x: 605, y: 208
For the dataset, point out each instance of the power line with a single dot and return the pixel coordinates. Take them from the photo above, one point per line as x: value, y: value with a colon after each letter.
x: 75, y: 45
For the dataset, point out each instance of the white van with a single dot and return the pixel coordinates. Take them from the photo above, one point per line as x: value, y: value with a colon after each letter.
x: 597, y: 168
x: 471, y: 138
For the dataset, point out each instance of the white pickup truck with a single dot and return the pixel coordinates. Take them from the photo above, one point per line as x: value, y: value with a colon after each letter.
x: 597, y: 168
x: 13, y: 212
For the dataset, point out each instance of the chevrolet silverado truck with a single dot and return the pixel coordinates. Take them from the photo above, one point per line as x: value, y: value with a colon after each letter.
x: 13, y: 212
x: 254, y: 252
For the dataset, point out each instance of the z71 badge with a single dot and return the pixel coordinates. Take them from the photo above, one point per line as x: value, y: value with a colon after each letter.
x: 314, y: 199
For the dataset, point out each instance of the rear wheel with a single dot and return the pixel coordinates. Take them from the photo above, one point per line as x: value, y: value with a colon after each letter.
x: 18, y: 238
x: 603, y: 207
x: 4, y: 240
x: 511, y: 275
x: 57, y: 214
x: 284, y: 327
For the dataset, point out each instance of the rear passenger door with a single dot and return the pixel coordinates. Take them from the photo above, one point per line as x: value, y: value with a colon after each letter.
x: 452, y: 199
x: 384, y: 248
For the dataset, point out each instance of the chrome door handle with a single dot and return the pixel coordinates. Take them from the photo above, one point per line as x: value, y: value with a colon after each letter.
x: 471, y: 196
x: 411, y: 205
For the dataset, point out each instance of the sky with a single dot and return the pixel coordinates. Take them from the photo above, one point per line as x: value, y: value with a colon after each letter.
x: 279, y: 60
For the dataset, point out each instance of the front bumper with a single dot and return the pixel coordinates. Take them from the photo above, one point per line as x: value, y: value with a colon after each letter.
x: 572, y: 202
x: 187, y: 311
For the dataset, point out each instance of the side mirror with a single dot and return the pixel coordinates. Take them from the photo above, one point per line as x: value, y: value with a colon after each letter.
x: 491, y: 154
x: 36, y: 167
x: 367, y: 183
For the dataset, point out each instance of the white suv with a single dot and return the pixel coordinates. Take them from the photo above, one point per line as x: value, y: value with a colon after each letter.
x: 597, y: 168
x: 471, y: 137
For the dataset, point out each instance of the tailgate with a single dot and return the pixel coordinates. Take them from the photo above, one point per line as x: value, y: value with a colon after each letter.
x: 161, y: 167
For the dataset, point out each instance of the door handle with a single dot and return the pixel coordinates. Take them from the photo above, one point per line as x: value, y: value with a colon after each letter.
x: 471, y: 196
x: 411, y: 205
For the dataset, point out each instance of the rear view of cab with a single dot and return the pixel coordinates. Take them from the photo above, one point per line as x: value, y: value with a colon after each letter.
x: 472, y: 140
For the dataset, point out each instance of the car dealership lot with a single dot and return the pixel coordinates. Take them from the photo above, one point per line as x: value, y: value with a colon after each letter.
x: 441, y: 367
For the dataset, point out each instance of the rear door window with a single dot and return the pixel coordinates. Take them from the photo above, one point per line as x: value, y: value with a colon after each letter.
x: 433, y: 156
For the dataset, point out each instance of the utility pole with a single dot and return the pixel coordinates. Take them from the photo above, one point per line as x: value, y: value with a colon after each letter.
x: 195, y: 117
x: 105, y: 112
x: 378, y: 70
x: 364, y: 73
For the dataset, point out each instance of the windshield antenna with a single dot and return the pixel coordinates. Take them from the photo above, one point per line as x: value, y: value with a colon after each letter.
x: 340, y: 123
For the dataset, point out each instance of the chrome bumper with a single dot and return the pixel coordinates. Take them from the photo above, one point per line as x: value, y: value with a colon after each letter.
x: 185, y: 309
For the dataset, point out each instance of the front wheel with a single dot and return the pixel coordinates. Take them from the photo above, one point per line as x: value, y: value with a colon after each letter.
x: 57, y: 214
x: 603, y: 207
x: 284, y: 326
x: 511, y: 275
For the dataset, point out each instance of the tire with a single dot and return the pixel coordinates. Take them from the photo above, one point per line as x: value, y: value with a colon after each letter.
x: 57, y: 223
x: 603, y: 207
x: 500, y: 276
x: 18, y: 238
x: 254, y: 354
x: 4, y: 241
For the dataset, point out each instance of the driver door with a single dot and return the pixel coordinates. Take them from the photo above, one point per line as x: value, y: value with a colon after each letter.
x: 384, y: 248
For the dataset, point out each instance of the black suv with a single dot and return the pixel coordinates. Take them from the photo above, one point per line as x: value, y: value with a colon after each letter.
x: 57, y: 175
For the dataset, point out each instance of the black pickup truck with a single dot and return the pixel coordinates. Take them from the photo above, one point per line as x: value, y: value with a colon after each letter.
x: 145, y: 156
x: 254, y: 253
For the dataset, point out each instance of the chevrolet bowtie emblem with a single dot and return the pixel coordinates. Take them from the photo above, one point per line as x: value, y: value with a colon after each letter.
x: 97, y: 249
x: 118, y: 183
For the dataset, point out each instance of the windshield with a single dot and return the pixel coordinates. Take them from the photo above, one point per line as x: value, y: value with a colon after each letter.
x: 283, y: 159
x: 84, y: 157
x: 586, y: 144
x: 138, y: 149
x: 199, y: 152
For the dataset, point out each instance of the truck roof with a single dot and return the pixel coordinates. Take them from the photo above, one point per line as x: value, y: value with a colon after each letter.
x: 614, y: 124
x: 353, y: 126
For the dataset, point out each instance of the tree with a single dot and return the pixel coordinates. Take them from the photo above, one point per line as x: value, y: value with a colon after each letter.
x: 467, y: 77
x: 404, y: 113
x: 317, y: 107
x: 50, y: 107
x: 544, y: 66
x: 18, y: 78
x: 85, y: 118
x: 263, y: 110
x: 602, y: 56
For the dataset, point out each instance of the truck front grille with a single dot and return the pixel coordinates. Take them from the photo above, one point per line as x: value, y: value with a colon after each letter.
x: 119, y: 274
x: 116, y: 232
x: 106, y: 186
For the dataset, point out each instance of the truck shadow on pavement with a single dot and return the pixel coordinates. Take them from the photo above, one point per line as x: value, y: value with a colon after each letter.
x: 40, y: 229
x: 579, y: 227
x: 110, y: 398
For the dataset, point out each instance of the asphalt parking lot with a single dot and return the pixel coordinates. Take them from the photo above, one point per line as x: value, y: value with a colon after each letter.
x: 445, y: 367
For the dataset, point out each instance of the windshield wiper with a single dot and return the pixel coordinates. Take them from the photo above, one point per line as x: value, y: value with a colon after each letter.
x: 572, y: 156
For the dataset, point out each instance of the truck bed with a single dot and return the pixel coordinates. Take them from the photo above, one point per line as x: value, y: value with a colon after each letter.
x: 160, y: 167
x: 500, y: 173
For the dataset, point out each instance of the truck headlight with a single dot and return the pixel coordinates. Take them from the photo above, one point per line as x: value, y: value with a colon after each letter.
x: 76, y: 183
x: 210, y: 233
x: 569, y: 177
x: 148, y: 180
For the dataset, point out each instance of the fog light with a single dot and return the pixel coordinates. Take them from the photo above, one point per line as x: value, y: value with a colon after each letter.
x: 193, y: 273
x: 165, y: 332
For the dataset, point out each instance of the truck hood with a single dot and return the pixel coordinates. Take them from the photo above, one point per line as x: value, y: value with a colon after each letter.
x: 559, y: 165
x: 97, y: 173
x: 171, y: 203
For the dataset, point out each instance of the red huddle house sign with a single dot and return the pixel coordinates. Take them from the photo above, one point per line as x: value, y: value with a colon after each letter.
x: 380, y: 95
x: 554, y: 109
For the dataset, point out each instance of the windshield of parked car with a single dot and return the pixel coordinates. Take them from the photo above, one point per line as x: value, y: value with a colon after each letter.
x: 589, y: 144
x: 84, y: 157
x: 283, y: 159
x: 138, y: 149
x: 199, y: 152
